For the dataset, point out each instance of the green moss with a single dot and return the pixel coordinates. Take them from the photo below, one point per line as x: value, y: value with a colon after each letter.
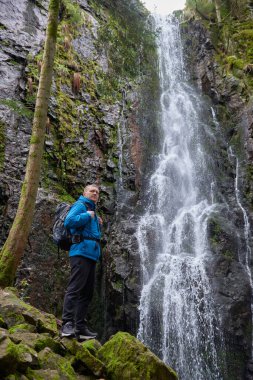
x: 18, y: 353
x: 21, y: 312
x: 126, y: 358
x: 234, y: 62
x: 34, y: 140
x: 2, y: 27
x: 13, y: 377
x: 2, y: 322
x: 216, y: 232
x: 228, y: 255
x: 125, y: 30
x: 72, y: 121
x: 6, y: 43
x: 242, y: 34
x: 232, y: 39
x: 67, y: 370
x: 49, y: 359
x: 67, y: 198
x: 13, y: 62
x: 73, y: 12
x: 118, y: 286
x: 249, y: 184
x: 54, y: 6
x: 14, y: 317
x: 21, y: 327
x: 17, y: 107
x: 92, y: 346
x: 47, y: 374
x: 46, y: 341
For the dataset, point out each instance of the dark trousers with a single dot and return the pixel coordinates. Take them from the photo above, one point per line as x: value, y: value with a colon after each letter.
x: 79, y: 291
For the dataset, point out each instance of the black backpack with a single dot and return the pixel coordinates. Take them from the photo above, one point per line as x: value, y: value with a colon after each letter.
x: 61, y: 235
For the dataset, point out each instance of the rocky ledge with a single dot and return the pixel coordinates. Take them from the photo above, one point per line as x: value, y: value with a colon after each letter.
x: 30, y: 348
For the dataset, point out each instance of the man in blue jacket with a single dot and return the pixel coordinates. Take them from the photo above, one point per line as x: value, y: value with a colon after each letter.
x: 84, y: 226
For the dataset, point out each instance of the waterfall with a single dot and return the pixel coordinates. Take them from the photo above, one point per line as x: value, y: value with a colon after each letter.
x: 178, y: 320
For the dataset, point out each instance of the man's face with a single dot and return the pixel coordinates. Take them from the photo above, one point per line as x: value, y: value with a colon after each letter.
x: 92, y: 193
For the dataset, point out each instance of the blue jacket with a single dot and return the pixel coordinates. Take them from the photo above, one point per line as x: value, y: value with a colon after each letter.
x: 79, y: 222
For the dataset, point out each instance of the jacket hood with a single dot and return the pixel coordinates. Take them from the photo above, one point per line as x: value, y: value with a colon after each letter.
x: 89, y: 201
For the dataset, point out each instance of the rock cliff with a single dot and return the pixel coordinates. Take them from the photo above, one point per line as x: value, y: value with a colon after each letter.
x: 104, y: 79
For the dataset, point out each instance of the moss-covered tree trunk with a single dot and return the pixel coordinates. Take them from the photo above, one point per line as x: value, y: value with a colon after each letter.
x: 14, y: 246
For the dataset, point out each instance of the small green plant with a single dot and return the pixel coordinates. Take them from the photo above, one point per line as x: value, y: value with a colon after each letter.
x: 73, y: 13
x: 17, y: 107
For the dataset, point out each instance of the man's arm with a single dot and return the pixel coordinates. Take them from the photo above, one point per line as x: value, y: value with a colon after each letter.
x: 77, y: 216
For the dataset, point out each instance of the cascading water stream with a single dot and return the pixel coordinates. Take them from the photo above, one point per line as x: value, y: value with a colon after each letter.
x: 177, y: 315
x: 215, y: 121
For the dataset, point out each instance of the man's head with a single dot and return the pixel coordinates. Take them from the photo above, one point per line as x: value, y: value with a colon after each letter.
x: 91, y: 192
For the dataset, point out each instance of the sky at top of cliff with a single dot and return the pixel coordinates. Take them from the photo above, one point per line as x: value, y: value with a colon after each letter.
x: 164, y: 7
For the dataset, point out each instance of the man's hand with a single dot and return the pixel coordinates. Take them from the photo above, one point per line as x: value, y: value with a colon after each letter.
x: 100, y: 220
x: 92, y: 214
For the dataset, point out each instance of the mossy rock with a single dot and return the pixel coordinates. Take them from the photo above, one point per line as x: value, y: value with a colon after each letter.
x: 2, y: 322
x: 16, y: 357
x: 16, y: 376
x: 92, y: 345
x: 3, y: 334
x: 84, y: 356
x: 14, y: 312
x: 24, y: 337
x: 43, y: 374
x: 55, y: 345
x: 38, y: 341
x: 127, y: 358
x: 23, y: 327
x: 49, y: 360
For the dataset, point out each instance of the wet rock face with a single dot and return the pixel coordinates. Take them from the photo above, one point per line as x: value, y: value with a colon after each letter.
x: 21, y: 33
x: 103, y: 140
x: 230, y: 265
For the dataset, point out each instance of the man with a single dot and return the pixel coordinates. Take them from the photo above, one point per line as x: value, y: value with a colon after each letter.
x: 83, y: 224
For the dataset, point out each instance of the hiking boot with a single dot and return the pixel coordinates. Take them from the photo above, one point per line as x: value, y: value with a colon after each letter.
x: 84, y: 333
x: 67, y: 330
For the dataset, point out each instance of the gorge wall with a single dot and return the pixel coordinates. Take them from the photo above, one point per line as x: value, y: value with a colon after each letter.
x: 104, y: 80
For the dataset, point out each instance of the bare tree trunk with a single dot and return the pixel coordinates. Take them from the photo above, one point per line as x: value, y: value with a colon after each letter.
x: 217, y: 10
x: 14, y: 246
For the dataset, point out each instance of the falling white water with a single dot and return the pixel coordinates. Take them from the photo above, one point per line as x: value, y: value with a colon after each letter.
x: 216, y: 123
x: 178, y: 320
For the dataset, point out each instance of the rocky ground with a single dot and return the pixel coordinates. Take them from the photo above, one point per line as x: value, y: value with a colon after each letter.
x: 30, y: 348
